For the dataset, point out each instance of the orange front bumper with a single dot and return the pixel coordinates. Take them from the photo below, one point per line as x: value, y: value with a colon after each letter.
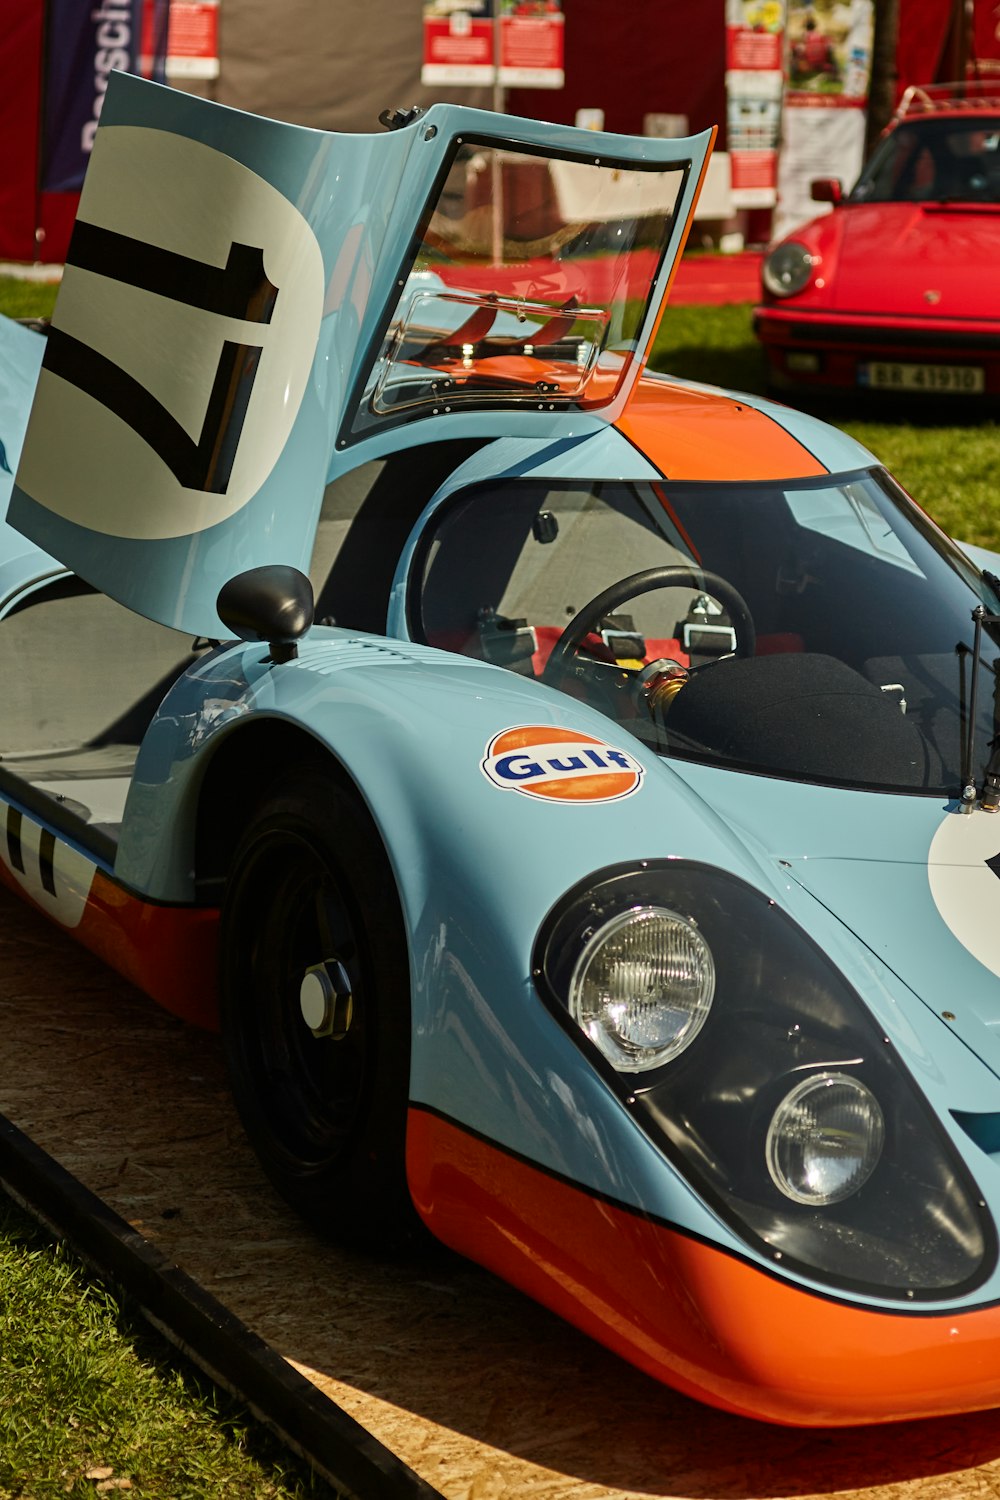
x: 714, y: 1326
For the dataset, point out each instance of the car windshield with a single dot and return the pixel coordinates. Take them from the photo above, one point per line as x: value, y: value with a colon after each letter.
x: 815, y: 629
x: 931, y: 160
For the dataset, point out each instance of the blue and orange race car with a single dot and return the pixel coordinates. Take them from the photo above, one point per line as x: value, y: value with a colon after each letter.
x: 568, y: 787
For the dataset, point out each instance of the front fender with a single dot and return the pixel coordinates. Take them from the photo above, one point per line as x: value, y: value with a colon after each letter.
x: 477, y: 867
x: 411, y: 726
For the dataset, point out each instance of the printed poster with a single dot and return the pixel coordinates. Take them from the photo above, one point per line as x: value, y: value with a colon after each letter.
x: 531, y: 44
x: 193, y: 39
x: 458, y: 42
x: 516, y: 43
x: 754, y: 82
x: 824, y: 116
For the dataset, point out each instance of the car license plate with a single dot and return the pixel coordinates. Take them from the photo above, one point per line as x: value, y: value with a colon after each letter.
x: 881, y: 375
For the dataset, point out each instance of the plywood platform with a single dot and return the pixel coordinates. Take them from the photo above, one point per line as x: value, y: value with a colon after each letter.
x: 484, y: 1394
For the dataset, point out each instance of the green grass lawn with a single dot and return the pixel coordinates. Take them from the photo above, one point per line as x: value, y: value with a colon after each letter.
x: 26, y: 299
x: 89, y: 1395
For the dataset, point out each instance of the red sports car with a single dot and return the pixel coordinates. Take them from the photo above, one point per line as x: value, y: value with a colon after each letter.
x: 899, y: 287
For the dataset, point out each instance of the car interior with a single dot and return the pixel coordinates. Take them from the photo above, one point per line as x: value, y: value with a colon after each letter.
x: 778, y: 628
x: 816, y: 644
x: 935, y: 161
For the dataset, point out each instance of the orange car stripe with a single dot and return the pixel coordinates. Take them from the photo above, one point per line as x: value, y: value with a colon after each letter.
x: 169, y: 952
x: 704, y: 1321
x: 700, y: 435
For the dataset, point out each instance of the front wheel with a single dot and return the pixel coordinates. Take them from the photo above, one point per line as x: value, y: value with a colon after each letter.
x: 315, y: 1009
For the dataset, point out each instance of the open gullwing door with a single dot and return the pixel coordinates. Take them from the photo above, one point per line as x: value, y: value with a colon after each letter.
x: 247, y: 304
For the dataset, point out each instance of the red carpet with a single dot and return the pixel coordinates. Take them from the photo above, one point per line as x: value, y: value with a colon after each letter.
x: 700, y: 277
x: 718, y: 278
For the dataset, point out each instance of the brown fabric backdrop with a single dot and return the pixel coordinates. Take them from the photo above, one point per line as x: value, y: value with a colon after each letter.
x: 335, y: 64
x: 331, y: 64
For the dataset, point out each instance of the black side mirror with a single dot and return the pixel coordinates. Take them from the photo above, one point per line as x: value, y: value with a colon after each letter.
x: 273, y: 604
x: 826, y: 190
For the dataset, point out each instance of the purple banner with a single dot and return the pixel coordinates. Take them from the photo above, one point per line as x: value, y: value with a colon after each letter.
x: 85, y: 43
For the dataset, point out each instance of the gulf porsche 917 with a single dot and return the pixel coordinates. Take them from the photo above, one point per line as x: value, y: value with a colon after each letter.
x: 567, y: 787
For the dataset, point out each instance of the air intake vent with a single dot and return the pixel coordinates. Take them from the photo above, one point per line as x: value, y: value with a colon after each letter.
x: 325, y: 657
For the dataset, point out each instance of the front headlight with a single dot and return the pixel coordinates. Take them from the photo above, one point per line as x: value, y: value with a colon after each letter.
x: 758, y: 1071
x: 825, y: 1139
x: 642, y: 987
x: 788, y: 268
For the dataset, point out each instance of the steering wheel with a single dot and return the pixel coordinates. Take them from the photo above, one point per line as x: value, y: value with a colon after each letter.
x: 644, y: 582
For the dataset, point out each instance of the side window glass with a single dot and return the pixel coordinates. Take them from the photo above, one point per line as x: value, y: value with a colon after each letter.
x: 341, y: 502
x: 531, y: 280
x: 73, y: 721
x: 509, y: 566
x: 367, y: 517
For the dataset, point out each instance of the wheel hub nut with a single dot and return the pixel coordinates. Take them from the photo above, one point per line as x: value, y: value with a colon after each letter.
x: 325, y: 999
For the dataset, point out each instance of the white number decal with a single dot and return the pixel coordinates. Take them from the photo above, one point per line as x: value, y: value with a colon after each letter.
x: 182, y: 343
x: 54, y: 875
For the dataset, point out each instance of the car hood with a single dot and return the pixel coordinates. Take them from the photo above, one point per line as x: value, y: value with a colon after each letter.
x: 915, y: 880
x: 917, y: 259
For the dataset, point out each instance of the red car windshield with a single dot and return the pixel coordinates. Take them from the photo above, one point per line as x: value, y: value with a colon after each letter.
x: 952, y: 160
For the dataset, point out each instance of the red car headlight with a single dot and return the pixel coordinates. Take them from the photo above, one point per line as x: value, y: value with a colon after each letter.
x: 788, y: 268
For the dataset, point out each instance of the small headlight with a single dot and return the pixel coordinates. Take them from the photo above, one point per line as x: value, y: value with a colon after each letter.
x: 825, y: 1139
x: 642, y: 987
x: 788, y: 268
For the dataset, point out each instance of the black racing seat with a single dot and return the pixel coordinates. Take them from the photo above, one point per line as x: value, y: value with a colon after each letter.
x: 802, y: 714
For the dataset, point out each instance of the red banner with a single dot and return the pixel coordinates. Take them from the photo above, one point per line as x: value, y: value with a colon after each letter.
x: 986, y: 37
x: 753, y: 172
x: 458, y: 45
x: 20, y: 87
x: 193, y: 39
x: 531, y: 44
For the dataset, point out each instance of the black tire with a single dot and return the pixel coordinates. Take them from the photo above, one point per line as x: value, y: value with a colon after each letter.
x: 310, y: 884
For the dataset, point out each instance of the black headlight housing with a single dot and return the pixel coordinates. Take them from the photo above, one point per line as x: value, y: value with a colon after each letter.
x: 783, y: 1028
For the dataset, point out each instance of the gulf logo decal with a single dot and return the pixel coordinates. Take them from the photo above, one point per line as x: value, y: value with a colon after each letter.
x: 560, y: 765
